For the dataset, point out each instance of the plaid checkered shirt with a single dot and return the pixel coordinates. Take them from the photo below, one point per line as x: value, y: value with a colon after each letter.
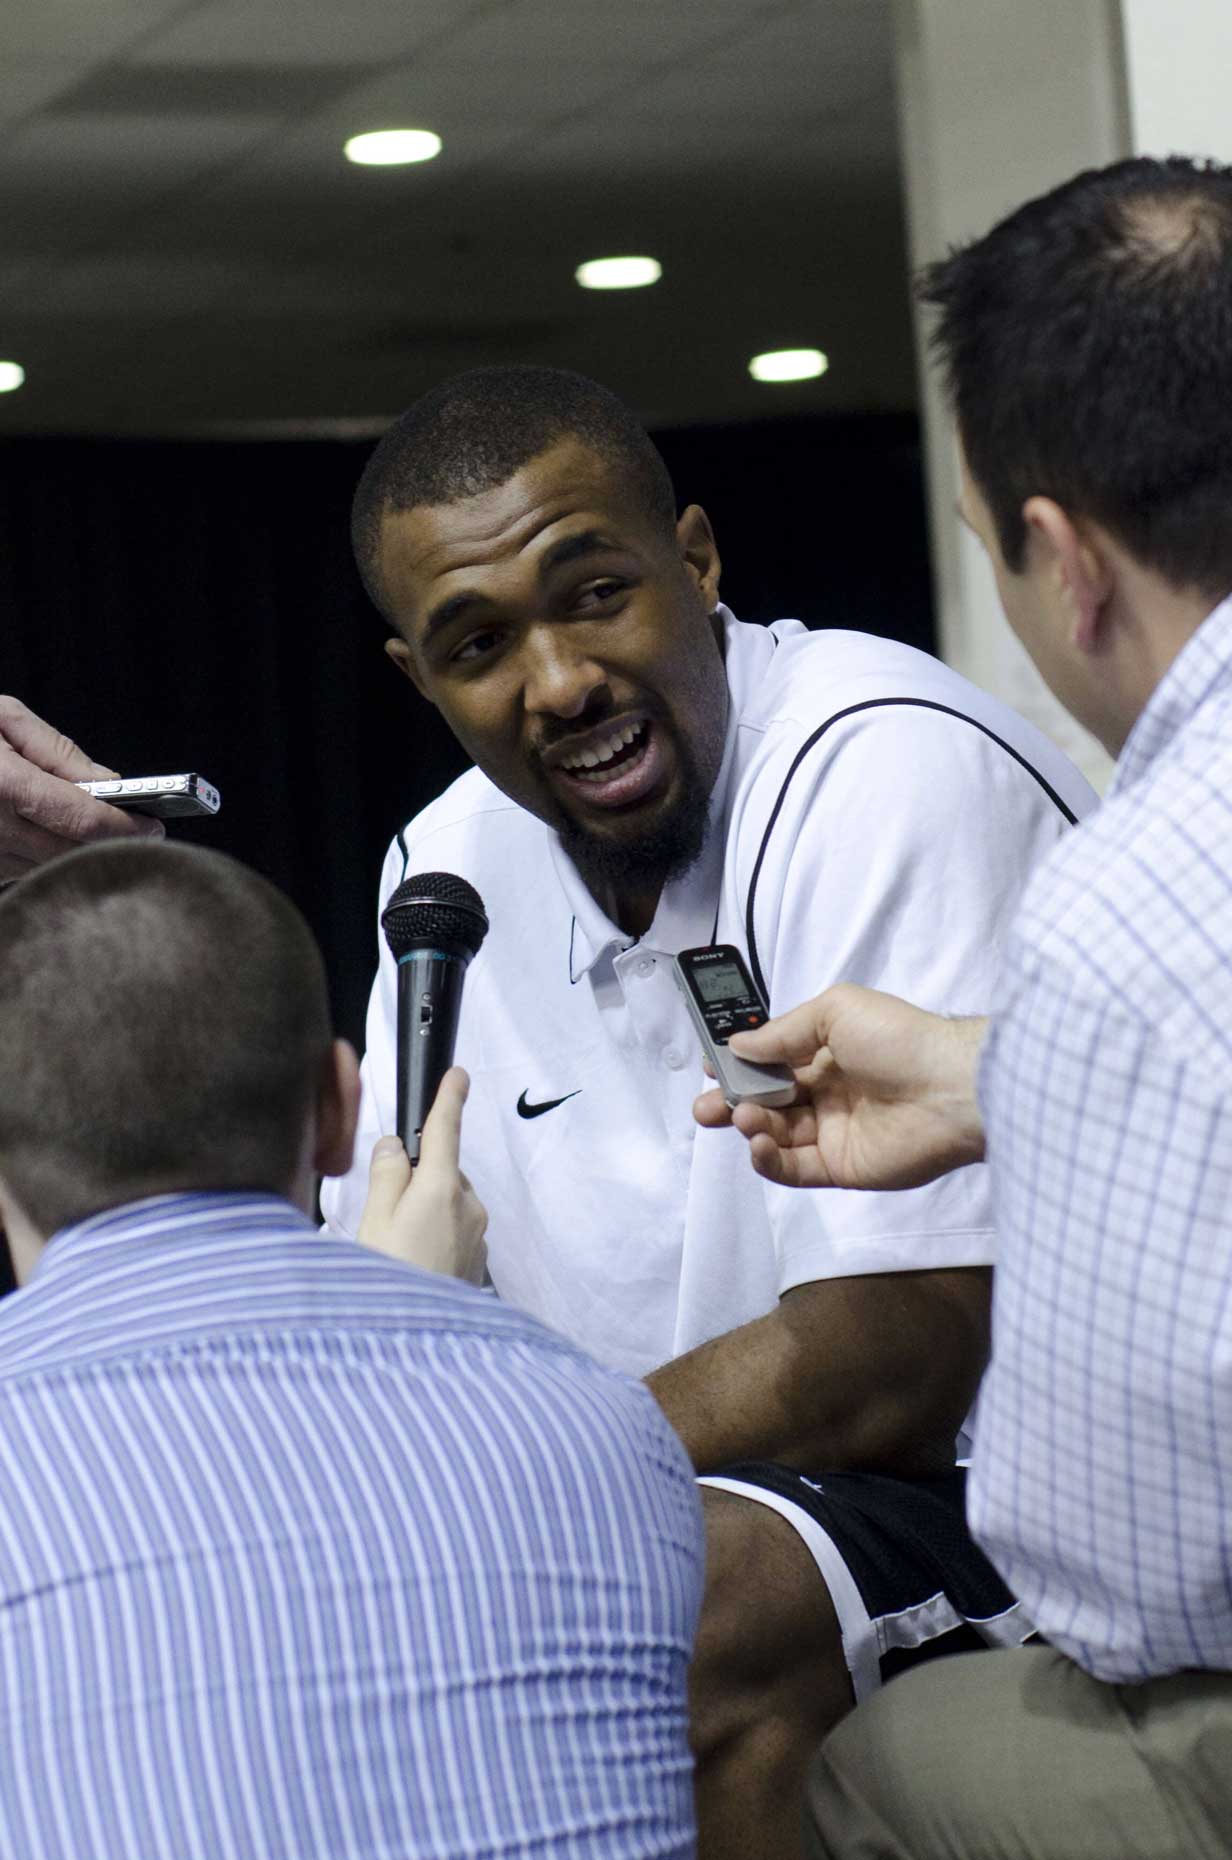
x: 1102, y: 1486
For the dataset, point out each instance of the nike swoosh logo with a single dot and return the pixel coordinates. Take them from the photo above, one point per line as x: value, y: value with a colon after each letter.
x: 525, y: 1109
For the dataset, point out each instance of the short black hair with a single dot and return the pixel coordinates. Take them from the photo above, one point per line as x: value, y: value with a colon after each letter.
x: 474, y: 431
x: 163, y: 1020
x: 1087, y: 347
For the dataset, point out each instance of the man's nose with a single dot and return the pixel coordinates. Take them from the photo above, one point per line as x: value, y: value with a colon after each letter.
x: 560, y: 680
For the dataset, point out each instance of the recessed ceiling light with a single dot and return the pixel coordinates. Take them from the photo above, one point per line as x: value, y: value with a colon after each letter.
x: 12, y: 374
x: 788, y: 365
x: 618, y: 274
x: 390, y: 148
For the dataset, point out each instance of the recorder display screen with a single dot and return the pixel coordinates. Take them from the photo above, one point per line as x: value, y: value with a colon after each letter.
x: 720, y: 981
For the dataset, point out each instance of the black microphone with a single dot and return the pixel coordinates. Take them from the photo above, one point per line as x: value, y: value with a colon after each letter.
x: 433, y: 923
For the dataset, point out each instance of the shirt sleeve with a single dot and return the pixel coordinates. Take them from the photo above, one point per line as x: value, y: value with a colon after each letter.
x: 1102, y: 1463
x: 901, y: 847
x: 594, y: 1602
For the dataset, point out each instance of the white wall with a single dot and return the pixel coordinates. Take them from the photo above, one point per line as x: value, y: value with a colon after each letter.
x: 1178, y: 61
x: 999, y: 100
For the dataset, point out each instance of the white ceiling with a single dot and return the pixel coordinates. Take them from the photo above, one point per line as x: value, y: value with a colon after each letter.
x: 183, y: 248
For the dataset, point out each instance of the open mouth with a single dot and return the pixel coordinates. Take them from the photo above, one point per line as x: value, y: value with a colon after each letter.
x: 614, y: 770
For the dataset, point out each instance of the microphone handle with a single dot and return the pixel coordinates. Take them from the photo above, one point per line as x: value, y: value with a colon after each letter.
x: 429, y: 1000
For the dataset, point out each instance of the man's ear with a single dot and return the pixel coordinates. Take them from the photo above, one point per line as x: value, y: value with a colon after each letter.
x: 700, y: 553
x: 404, y: 658
x: 337, y: 1109
x: 1076, y: 564
x: 25, y: 1242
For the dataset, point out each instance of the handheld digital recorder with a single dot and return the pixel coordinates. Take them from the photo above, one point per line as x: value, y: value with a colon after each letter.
x: 164, y: 795
x: 722, y: 999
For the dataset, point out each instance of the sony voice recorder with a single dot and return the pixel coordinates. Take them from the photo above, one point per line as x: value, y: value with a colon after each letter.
x: 722, y: 999
x: 167, y: 796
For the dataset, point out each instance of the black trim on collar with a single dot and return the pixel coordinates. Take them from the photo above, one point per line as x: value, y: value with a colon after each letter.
x: 818, y: 733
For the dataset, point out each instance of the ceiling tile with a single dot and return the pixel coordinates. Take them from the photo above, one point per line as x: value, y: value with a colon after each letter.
x: 310, y: 32
x: 441, y: 94
x: 830, y: 40
x: 16, y: 277
x: 637, y: 35
x: 94, y: 152
x: 214, y: 90
x: 28, y: 87
x: 183, y: 240
x: 78, y: 29
x: 107, y: 288
x: 730, y: 95
x: 675, y: 146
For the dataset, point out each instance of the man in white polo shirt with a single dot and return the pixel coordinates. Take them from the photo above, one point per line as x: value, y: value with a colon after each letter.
x: 653, y: 775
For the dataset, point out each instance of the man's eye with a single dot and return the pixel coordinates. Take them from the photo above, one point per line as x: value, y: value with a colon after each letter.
x: 598, y: 593
x: 475, y: 646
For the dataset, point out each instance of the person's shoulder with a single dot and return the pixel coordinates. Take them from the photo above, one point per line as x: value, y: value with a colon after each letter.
x: 470, y: 805
x: 473, y: 829
x: 512, y: 1354
x: 819, y: 679
x: 359, y: 1285
x: 1138, y: 902
x: 832, y: 668
x: 900, y: 724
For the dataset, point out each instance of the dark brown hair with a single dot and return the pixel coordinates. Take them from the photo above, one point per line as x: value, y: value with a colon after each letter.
x: 474, y: 431
x: 163, y: 1020
x: 1087, y: 345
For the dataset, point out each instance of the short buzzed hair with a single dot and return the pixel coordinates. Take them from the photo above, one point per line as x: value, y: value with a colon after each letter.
x: 1087, y: 345
x: 473, y: 432
x: 163, y: 1019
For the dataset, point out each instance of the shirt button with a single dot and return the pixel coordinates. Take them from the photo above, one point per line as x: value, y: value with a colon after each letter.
x: 673, y: 1057
x: 645, y: 965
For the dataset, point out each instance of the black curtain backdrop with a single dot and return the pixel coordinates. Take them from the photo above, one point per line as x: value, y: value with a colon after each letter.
x: 194, y: 606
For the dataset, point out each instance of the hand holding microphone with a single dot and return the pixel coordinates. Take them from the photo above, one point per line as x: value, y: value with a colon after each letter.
x: 421, y: 1209
x: 434, y: 923
x: 428, y: 1216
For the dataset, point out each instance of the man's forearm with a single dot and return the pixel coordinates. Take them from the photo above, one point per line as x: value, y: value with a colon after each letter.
x: 876, y: 1372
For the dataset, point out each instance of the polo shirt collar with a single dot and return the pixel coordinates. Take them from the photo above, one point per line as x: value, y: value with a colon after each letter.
x: 1202, y: 667
x: 688, y: 907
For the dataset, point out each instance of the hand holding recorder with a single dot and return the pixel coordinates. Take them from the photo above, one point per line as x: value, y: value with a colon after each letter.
x: 884, y: 1094
x: 42, y: 811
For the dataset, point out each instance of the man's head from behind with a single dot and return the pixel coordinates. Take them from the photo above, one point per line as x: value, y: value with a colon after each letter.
x: 1087, y: 344
x: 163, y: 1027
x: 519, y: 530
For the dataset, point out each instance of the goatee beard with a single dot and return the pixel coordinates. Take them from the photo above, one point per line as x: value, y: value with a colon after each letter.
x: 666, y: 850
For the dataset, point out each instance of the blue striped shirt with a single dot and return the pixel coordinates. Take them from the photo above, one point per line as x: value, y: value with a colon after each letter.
x: 306, y: 1554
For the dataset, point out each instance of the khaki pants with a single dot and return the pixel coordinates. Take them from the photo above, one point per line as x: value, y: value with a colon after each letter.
x: 1021, y: 1756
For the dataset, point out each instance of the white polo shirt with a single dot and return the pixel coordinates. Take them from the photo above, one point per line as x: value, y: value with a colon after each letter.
x: 874, y: 821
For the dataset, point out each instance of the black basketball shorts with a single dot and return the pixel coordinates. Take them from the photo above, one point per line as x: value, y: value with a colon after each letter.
x: 907, y: 1579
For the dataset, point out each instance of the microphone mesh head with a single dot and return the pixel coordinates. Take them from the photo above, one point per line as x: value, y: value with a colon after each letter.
x: 434, y: 908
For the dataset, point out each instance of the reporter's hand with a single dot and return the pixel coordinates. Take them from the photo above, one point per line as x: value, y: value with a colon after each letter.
x: 41, y: 813
x: 885, y: 1094
x: 429, y: 1216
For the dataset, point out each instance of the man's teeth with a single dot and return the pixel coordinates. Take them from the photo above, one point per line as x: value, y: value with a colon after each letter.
x: 604, y: 751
